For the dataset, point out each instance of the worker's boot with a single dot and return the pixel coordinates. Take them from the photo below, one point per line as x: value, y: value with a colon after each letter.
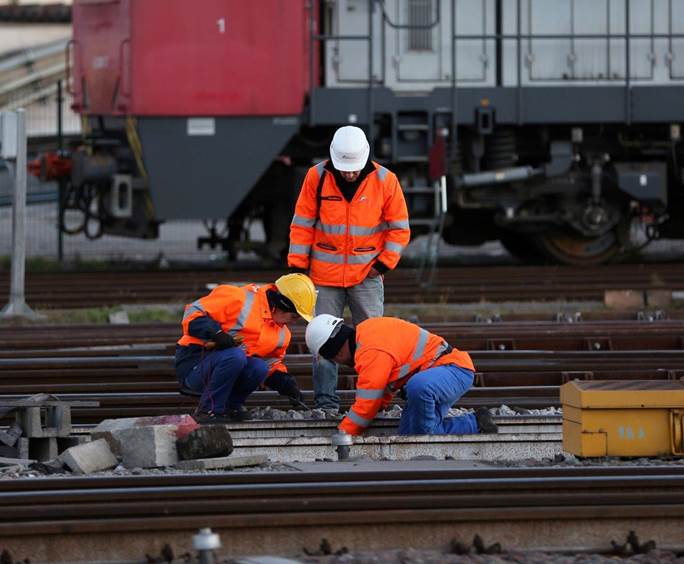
x: 211, y: 418
x: 239, y: 414
x: 485, y: 423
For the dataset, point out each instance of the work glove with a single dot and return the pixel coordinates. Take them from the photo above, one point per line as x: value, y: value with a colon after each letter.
x: 285, y: 385
x: 223, y: 340
x: 402, y: 393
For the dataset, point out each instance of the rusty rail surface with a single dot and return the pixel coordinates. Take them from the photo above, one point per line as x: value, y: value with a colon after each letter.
x: 451, y: 285
x: 261, y: 511
x: 157, y: 338
x: 129, y: 369
x: 146, y: 385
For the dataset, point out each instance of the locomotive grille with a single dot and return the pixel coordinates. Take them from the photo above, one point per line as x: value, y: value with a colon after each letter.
x: 420, y: 15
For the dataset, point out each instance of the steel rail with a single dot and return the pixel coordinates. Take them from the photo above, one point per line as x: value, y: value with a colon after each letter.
x: 151, y: 339
x: 126, y: 516
x: 140, y: 385
x: 272, y: 501
x: 295, y: 476
x: 465, y: 284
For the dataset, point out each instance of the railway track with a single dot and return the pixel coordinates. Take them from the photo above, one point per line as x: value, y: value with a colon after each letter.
x: 129, y: 370
x: 108, y: 518
x: 128, y: 386
x: 84, y: 340
x: 144, y: 403
x: 451, y: 285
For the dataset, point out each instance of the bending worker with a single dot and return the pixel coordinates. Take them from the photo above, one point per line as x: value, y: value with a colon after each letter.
x: 350, y: 226
x: 390, y: 354
x: 235, y: 338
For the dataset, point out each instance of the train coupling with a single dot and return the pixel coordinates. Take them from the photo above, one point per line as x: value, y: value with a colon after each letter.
x: 51, y: 166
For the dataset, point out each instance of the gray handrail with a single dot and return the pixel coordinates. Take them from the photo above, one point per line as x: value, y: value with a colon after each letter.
x: 30, y: 55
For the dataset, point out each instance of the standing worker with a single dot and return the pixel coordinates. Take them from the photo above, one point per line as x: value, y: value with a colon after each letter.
x: 350, y: 227
x: 391, y: 354
x: 235, y: 338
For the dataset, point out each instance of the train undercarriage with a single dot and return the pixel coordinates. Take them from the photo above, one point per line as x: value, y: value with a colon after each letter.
x: 573, y: 195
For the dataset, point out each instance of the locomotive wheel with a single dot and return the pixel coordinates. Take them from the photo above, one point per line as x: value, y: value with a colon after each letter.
x: 523, y: 247
x: 571, y: 248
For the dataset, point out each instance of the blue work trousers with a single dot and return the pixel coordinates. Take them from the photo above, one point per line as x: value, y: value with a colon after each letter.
x: 364, y: 300
x: 226, y: 378
x: 429, y: 396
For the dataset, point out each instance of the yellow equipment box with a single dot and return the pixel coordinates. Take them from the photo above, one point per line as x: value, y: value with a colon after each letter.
x: 623, y: 417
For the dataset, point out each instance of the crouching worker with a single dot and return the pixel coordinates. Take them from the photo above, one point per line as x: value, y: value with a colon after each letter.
x: 235, y: 338
x: 390, y: 354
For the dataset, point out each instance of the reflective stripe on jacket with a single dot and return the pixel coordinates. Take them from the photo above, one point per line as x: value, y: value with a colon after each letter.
x: 242, y: 311
x: 388, y: 352
x: 340, y: 247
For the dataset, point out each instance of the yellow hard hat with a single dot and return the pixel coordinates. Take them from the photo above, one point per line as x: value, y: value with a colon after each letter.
x: 300, y: 290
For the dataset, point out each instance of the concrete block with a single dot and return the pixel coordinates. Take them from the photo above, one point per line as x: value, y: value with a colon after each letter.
x: 658, y: 298
x: 109, y: 425
x: 89, y: 457
x: 147, y: 447
x: 105, y: 430
x: 29, y: 418
x: 60, y: 419
x: 23, y: 447
x: 46, y: 421
x: 183, y: 425
x: 623, y: 299
x: 224, y: 462
x: 43, y: 448
x: 210, y: 441
x: 9, y: 437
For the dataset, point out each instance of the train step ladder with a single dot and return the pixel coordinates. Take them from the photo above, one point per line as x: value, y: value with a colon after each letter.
x: 435, y: 225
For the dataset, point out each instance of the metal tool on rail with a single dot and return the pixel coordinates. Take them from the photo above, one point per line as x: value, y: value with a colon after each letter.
x: 342, y: 443
x: 205, y: 542
x: 299, y: 403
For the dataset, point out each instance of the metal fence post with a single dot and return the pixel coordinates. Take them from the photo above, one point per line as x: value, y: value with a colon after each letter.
x: 17, y: 304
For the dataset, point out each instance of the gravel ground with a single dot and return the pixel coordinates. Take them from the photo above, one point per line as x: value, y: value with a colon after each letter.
x: 411, y: 556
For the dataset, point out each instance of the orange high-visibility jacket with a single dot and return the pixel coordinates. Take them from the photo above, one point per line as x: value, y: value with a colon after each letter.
x: 242, y: 311
x: 340, y: 245
x: 388, y: 352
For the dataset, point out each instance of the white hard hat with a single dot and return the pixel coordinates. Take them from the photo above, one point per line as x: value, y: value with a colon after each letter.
x: 349, y: 149
x: 319, y: 330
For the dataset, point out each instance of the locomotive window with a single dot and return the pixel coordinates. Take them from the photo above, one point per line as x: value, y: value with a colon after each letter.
x: 420, y: 15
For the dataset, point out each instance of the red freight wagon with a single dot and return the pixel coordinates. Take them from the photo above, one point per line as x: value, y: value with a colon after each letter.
x: 180, y: 58
x: 188, y: 104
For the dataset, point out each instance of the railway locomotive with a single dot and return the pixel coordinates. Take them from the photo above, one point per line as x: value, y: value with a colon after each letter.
x: 550, y: 125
